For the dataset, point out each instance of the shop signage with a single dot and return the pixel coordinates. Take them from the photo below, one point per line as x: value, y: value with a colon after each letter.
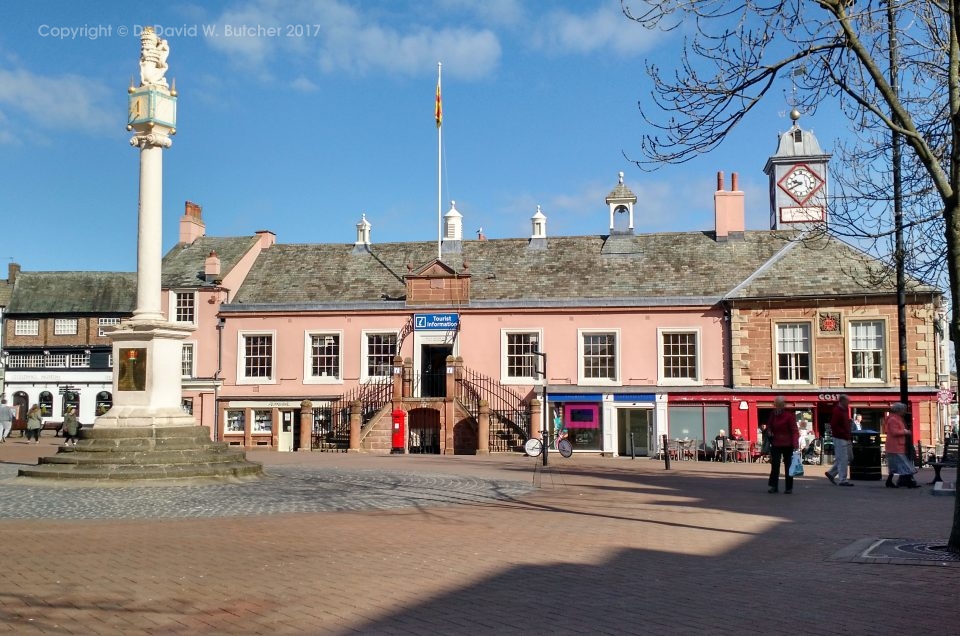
x: 828, y: 397
x: 945, y: 396
x: 436, y: 322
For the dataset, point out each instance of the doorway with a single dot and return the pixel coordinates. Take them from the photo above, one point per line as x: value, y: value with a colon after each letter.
x: 637, y: 422
x: 285, y: 439
x: 433, y: 369
x: 424, y: 431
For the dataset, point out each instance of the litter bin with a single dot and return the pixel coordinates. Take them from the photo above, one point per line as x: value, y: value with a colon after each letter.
x: 826, y: 451
x: 865, y: 463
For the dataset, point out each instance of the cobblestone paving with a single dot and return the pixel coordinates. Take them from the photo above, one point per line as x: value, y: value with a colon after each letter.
x: 603, y: 546
x: 284, y: 489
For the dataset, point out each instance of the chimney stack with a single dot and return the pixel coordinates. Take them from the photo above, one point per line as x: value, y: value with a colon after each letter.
x: 728, y: 206
x: 191, y: 223
x: 12, y: 270
x: 211, y: 267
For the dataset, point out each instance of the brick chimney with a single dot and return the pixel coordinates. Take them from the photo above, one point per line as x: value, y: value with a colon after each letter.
x: 12, y: 270
x: 211, y: 267
x: 191, y: 223
x: 728, y: 208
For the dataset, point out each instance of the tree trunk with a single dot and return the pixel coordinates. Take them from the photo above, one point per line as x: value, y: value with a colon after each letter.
x: 952, y: 217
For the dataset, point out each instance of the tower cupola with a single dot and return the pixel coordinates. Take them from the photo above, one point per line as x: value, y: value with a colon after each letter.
x: 621, y: 201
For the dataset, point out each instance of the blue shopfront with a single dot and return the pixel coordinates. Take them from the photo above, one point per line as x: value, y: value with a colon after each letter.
x: 607, y: 423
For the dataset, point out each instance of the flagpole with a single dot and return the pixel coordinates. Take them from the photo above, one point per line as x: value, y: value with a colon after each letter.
x: 439, y: 117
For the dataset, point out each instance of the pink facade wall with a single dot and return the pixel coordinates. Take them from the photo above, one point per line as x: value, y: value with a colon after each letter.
x: 478, y: 343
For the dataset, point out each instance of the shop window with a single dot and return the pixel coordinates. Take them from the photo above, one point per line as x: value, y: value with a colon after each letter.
x: 867, y: 350
x: 379, y: 353
x: 323, y: 356
x: 234, y: 423
x: 582, y: 422
x: 46, y: 403
x: 65, y: 327
x: 186, y: 405
x: 519, y: 360
x: 793, y: 352
x: 262, y: 421
x: 679, y: 357
x: 104, y: 402
x: 698, y: 422
x: 26, y: 327
x: 255, y: 361
x: 599, y: 357
x: 71, y: 399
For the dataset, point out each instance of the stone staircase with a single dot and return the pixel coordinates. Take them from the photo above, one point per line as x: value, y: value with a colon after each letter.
x: 144, y: 453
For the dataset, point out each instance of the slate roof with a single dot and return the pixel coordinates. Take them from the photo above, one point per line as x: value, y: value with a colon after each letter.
x: 183, y: 265
x: 682, y: 268
x: 5, y: 290
x: 73, y: 293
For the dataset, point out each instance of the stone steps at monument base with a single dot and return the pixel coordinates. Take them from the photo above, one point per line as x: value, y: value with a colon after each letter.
x: 143, y: 458
x: 144, y: 453
x: 120, y: 472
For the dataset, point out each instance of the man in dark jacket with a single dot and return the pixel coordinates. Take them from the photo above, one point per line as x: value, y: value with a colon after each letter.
x: 842, y: 441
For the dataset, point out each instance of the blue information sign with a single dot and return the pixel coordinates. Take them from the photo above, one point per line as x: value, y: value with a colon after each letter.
x: 439, y: 322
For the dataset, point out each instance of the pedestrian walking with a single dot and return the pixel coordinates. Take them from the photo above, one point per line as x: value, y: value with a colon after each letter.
x: 896, y: 447
x: 842, y: 442
x: 784, y: 439
x: 6, y: 419
x: 71, y: 427
x: 34, y: 423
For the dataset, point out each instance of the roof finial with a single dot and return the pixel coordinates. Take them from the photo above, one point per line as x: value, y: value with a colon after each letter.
x: 620, y: 176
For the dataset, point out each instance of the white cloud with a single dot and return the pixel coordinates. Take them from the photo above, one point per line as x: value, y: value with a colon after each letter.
x: 338, y: 38
x: 604, y: 29
x: 464, y: 53
x: 495, y: 12
x: 303, y: 85
x: 50, y: 101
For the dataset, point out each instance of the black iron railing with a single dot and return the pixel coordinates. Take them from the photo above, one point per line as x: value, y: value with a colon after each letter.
x: 333, y: 432
x: 509, y: 412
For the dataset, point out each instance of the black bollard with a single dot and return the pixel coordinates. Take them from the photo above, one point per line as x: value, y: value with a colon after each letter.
x: 633, y: 454
x: 666, y: 453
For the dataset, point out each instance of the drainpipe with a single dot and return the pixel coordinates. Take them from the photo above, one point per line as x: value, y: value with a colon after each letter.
x: 216, y: 380
x: 728, y: 337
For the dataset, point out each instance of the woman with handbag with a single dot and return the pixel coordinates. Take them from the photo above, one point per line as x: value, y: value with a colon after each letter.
x: 34, y: 423
x: 784, y: 440
x: 897, y: 461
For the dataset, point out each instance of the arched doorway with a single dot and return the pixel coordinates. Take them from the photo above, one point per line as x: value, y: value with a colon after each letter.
x: 424, y: 431
x: 21, y: 404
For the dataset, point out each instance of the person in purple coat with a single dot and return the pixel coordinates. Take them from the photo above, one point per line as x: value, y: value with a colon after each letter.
x: 784, y: 439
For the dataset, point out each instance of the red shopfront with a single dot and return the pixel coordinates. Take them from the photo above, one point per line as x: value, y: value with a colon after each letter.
x: 747, y: 411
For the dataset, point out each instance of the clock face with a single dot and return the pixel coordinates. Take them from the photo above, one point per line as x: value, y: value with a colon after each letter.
x: 800, y: 183
x: 137, y: 108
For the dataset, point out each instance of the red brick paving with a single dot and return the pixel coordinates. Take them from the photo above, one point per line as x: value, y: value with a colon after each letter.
x: 606, y: 546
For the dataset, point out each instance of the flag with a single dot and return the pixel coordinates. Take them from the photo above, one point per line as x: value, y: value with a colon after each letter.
x: 438, y: 111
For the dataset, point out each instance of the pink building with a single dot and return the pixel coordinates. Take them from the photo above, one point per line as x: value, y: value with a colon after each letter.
x: 630, y: 337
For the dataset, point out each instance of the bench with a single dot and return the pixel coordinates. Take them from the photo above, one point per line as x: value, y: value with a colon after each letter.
x: 948, y: 459
x: 49, y: 425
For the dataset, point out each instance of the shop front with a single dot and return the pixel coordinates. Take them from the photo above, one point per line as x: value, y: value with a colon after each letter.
x: 611, y: 424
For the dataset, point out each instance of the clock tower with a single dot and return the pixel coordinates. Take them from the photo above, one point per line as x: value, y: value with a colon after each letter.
x: 798, y: 180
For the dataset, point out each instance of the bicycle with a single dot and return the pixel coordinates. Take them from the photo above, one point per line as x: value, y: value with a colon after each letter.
x: 534, y: 446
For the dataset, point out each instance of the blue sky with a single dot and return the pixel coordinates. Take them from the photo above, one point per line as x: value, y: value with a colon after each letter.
x: 301, y: 132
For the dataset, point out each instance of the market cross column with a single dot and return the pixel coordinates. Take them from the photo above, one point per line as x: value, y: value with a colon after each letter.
x: 146, y: 434
x: 147, y: 348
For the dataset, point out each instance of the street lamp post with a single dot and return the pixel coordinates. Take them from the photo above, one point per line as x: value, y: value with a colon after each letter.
x: 545, y: 432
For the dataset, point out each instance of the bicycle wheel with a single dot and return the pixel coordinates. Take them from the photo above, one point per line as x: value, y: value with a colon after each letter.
x: 565, y: 447
x: 533, y: 447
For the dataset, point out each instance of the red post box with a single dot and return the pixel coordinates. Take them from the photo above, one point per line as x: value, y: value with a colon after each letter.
x: 399, y: 431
